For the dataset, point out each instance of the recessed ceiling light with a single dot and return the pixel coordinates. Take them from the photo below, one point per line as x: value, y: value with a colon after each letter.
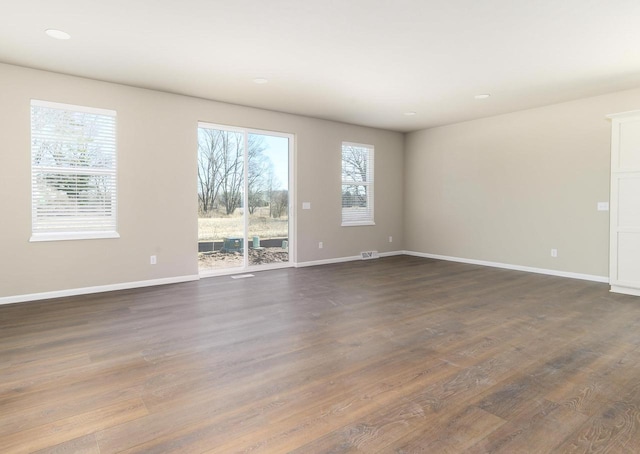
x: 57, y: 34
x: 482, y: 96
x: 260, y: 80
x: 409, y: 114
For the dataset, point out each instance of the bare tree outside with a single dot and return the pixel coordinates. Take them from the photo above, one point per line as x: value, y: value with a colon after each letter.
x: 279, y: 202
x: 210, y: 149
x: 357, y: 184
x: 232, y: 171
x: 259, y: 166
x: 273, y: 185
x: 220, y: 170
x: 355, y: 162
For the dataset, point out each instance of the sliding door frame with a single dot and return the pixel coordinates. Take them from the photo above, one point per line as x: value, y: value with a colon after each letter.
x: 292, y: 249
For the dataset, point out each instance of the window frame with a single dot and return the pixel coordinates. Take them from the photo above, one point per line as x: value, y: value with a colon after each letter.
x: 368, y: 217
x: 39, y: 231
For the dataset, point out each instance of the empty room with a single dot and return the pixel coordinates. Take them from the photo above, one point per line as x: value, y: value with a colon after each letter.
x: 320, y: 226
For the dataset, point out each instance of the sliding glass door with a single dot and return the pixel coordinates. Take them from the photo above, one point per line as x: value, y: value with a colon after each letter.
x: 268, y: 199
x: 244, y: 201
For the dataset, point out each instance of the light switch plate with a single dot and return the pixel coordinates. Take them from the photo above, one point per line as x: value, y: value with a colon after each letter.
x: 603, y: 206
x: 306, y: 205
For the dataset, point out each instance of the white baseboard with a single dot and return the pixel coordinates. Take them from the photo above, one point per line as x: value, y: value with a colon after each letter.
x: 529, y: 269
x: 96, y: 289
x: 391, y: 254
x: 328, y: 261
x: 178, y: 279
x: 344, y: 259
x: 171, y: 280
x: 625, y: 290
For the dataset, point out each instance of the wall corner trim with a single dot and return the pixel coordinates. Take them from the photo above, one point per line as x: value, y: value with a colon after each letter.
x: 96, y: 289
x: 507, y: 266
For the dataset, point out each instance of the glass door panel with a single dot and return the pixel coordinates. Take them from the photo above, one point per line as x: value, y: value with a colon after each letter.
x: 267, y: 199
x: 221, y: 196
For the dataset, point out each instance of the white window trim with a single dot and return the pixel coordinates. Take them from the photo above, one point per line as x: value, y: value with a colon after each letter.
x: 64, y: 236
x: 357, y: 223
x: 73, y: 108
x: 371, y: 185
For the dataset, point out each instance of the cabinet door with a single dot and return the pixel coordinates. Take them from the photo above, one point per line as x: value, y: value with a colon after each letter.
x: 625, y: 204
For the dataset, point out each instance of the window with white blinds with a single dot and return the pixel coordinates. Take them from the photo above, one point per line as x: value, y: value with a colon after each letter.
x: 73, y: 172
x: 357, y: 184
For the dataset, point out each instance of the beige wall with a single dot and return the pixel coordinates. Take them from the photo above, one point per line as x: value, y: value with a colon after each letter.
x: 157, y: 185
x: 509, y: 188
x: 503, y: 189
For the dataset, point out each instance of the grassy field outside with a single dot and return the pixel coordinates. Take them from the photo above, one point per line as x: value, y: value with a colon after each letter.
x: 260, y: 224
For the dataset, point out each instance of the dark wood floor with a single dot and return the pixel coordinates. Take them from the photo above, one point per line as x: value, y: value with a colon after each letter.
x: 398, y: 355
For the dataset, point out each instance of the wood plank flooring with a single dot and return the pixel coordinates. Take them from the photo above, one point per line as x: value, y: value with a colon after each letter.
x: 396, y: 355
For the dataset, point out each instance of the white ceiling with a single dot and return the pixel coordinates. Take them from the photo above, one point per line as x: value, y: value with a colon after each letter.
x: 358, y: 61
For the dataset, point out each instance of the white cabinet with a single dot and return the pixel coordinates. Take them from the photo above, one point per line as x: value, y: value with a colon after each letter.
x: 624, y: 259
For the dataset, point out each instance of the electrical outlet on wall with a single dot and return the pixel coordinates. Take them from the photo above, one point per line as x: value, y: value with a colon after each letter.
x: 320, y: 245
x: 554, y: 252
x: 153, y: 260
x: 390, y: 239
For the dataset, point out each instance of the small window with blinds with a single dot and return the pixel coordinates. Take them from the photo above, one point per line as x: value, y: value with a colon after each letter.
x: 357, y: 184
x: 73, y: 172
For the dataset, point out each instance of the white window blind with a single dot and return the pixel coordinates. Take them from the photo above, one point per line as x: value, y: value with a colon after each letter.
x: 357, y: 184
x: 73, y: 172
